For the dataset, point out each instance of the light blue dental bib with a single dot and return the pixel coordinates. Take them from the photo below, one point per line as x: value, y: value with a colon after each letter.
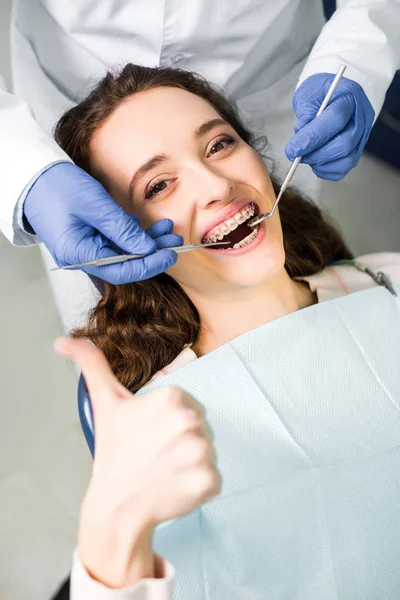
x: 306, y: 416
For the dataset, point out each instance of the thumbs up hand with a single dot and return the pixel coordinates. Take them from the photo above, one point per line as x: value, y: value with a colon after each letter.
x: 154, y: 461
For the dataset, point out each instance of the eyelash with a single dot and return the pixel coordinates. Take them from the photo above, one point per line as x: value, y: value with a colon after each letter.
x: 228, y: 139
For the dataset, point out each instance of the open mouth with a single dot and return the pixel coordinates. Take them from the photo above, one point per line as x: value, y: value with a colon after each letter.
x: 234, y: 230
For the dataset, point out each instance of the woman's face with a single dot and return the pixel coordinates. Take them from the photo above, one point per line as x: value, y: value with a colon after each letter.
x: 166, y: 153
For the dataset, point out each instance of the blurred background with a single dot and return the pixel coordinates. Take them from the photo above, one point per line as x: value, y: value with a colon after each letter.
x: 44, y: 462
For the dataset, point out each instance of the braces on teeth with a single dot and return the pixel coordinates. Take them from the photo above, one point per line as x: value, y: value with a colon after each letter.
x: 247, y: 240
x: 231, y: 224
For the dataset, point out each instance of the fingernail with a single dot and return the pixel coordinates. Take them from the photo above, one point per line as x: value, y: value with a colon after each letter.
x: 169, y: 222
x: 289, y: 154
x: 171, y: 258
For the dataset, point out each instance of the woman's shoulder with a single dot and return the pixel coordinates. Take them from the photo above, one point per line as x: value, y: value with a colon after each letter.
x: 340, y: 279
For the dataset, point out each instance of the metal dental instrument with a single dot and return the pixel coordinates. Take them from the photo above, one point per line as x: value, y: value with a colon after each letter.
x: 380, y: 277
x: 260, y: 218
x: 112, y: 260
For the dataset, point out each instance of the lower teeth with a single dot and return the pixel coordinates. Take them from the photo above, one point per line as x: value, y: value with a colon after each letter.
x: 246, y: 240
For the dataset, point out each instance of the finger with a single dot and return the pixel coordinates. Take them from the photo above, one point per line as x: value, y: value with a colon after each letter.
x: 169, y: 240
x: 119, y: 227
x: 342, y: 165
x: 321, y: 129
x: 137, y: 269
x: 174, y: 428
x: 175, y: 424
x: 90, y: 247
x: 99, y: 378
x: 206, y: 432
x: 216, y: 488
x: 161, y: 232
x: 337, y: 169
x: 304, y: 120
x: 339, y: 147
x: 190, y: 450
x: 329, y: 176
x: 207, y: 483
x: 191, y: 402
x: 306, y: 109
x: 173, y: 397
x: 306, y: 104
x: 160, y: 228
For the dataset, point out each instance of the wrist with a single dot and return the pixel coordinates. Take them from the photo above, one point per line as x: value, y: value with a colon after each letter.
x: 114, y: 545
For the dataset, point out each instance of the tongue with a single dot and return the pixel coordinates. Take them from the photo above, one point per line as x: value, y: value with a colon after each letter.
x: 235, y: 236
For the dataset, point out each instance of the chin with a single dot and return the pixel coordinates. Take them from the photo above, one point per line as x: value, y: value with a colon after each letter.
x: 255, y: 279
x: 257, y: 268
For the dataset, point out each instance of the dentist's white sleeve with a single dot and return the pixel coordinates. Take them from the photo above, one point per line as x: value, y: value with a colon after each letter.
x: 364, y: 35
x: 26, y: 151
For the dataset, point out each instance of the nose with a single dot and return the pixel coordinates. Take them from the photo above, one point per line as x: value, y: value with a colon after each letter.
x: 212, y: 187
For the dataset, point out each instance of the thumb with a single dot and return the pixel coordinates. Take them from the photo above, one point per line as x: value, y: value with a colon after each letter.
x: 100, y: 380
x: 308, y: 98
x: 303, y: 120
x: 305, y: 108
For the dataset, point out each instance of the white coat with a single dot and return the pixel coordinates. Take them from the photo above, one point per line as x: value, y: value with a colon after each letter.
x: 258, y: 50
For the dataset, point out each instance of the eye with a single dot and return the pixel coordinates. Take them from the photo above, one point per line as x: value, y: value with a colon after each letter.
x: 221, y: 144
x: 156, y: 188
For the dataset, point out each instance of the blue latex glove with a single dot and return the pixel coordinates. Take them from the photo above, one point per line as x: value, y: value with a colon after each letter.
x: 78, y: 221
x: 333, y: 142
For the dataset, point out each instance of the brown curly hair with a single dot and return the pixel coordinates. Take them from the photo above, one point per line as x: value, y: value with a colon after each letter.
x: 141, y: 327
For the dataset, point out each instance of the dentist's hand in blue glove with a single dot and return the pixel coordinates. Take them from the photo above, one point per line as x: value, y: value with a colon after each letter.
x: 332, y: 143
x: 78, y: 221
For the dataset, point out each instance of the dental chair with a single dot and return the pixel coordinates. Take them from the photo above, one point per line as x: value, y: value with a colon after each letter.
x: 86, y: 414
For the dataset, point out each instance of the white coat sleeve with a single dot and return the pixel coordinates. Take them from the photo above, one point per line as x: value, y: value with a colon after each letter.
x: 83, y: 587
x: 26, y: 151
x: 365, y: 36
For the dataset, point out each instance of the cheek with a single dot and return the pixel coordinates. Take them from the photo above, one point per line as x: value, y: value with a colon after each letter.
x: 146, y: 217
x: 251, y: 168
x: 189, y: 272
x: 149, y: 215
x: 261, y: 175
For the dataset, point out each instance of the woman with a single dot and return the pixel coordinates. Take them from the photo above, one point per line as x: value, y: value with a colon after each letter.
x: 168, y: 146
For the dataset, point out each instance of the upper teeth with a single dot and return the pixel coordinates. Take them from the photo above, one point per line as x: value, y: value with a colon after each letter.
x: 217, y: 234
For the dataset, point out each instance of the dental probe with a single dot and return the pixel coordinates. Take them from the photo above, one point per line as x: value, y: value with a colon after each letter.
x: 260, y: 218
x: 112, y: 260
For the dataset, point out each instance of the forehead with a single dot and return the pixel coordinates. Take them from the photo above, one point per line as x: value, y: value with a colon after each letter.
x: 150, y: 122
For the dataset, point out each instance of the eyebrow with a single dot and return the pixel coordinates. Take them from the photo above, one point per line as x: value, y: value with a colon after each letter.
x: 208, y: 126
x: 145, y: 168
x: 157, y: 160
